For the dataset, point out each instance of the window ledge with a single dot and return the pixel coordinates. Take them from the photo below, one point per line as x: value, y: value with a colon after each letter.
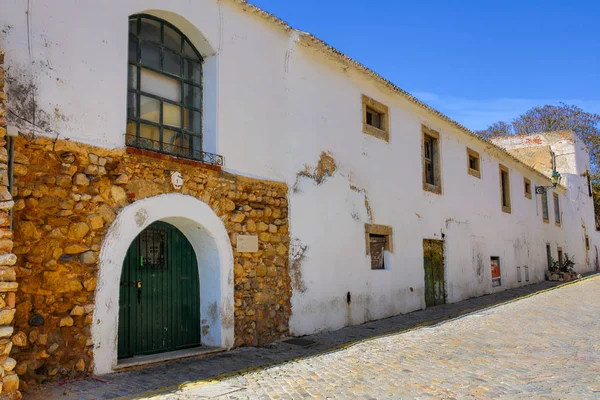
x: 475, y: 173
x: 432, y: 188
x: 376, y: 132
x: 506, y: 210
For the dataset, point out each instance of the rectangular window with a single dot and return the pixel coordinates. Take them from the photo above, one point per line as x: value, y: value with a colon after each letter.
x: 473, y: 163
x: 548, y: 255
x: 587, y: 242
x: 376, y: 121
x: 518, y: 274
x: 495, y: 261
x: 545, y: 207
x: 505, y: 189
x: 526, y: 268
x: 378, y: 241
x: 556, y: 209
x: 431, y: 161
x: 589, y: 183
x: 560, y: 257
x: 527, y: 187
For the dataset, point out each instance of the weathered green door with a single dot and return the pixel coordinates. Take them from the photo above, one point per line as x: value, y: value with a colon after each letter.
x: 433, y: 259
x: 159, y: 301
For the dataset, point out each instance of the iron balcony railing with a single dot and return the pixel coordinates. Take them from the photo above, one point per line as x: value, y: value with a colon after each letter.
x: 174, y: 150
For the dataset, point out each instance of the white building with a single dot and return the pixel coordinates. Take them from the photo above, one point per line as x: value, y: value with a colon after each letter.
x: 365, y: 162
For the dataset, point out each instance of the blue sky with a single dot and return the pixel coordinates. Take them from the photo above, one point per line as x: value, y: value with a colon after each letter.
x: 479, y: 61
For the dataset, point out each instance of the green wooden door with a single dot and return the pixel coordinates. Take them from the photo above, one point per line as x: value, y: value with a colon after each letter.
x: 433, y: 260
x: 159, y: 301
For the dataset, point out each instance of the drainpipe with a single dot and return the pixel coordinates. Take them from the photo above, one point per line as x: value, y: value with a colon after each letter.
x: 11, y: 133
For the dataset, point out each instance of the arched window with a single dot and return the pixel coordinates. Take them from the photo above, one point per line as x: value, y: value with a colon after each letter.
x: 164, y: 98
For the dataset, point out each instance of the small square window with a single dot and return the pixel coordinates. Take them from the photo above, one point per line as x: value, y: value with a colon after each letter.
x: 473, y: 163
x: 376, y: 121
x: 378, y: 241
x: 527, y: 187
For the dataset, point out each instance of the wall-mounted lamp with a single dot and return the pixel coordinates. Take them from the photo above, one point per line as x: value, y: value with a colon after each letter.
x: 555, y: 179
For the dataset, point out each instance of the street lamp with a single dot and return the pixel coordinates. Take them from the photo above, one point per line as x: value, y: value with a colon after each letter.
x: 555, y: 180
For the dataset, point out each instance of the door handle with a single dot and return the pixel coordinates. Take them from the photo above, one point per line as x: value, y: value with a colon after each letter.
x: 139, y: 291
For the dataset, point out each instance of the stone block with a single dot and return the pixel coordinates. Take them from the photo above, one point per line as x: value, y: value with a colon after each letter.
x: 10, y: 384
x: 8, y: 259
x: 6, y: 331
x: 7, y: 316
x: 7, y: 274
x: 75, y: 249
x: 77, y: 310
x: 19, y: 339
x: 237, y: 217
x: 119, y: 195
x: 8, y: 286
x: 78, y: 231
x: 66, y: 321
x: 89, y: 258
x: 80, y: 180
x: 9, y: 364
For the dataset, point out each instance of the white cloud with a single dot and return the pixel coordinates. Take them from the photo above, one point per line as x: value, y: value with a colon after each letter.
x: 479, y: 114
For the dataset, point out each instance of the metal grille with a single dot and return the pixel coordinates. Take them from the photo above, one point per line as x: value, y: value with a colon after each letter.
x: 153, y: 247
x: 429, y: 150
x: 178, y: 149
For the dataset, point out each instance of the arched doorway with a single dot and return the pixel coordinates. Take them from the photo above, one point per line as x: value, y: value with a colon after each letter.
x: 209, y: 239
x: 159, y: 294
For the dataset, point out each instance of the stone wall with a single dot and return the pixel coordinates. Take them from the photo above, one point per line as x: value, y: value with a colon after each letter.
x: 67, y: 195
x: 9, y: 380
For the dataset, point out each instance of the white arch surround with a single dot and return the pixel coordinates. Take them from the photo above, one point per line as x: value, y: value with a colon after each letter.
x: 209, y: 238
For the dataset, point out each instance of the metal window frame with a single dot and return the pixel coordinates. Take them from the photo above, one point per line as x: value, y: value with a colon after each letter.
x: 194, y: 147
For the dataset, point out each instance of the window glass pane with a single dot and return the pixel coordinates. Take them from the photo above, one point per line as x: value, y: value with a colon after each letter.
x: 172, y: 39
x: 133, y: 26
x: 171, y: 115
x: 131, y: 105
x: 196, y: 143
x: 150, y: 30
x: 131, y: 128
x: 188, y: 51
x: 150, y: 55
x: 171, y: 63
x: 191, y: 96
x: 192, y: 70
x: 160, y: 85
x: 132, y: 77
x: 133, y: 49
x: 192, y: 120
x: 149, y: 109
x: 149, y: 132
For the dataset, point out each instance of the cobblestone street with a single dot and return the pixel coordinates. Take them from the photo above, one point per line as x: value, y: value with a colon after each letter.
x: 542, y: 346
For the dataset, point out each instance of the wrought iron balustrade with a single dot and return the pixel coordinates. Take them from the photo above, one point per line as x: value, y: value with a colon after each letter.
x: 175, y: 150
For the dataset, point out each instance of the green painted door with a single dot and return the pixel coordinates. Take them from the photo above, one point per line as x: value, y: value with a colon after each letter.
x: 433, y: 260
x: 159, y: 301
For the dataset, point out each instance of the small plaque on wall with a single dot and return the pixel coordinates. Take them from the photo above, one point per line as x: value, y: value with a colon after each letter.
x: 247, y: 243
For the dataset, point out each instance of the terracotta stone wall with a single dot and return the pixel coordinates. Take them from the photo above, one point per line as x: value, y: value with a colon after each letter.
x: 9, y: 380
x: 67, y: 195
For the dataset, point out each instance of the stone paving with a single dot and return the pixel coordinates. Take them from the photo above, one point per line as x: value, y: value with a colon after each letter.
x: 544, y: 346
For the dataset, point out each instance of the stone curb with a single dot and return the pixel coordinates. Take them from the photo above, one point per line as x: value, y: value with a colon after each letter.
x: 221, y: 377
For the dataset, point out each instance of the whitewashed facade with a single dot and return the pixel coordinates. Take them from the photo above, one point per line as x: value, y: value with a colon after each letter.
x: 275, y: 99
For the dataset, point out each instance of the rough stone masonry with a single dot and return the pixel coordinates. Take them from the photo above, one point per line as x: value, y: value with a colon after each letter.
x: 9, y: 380
x: 66, y: 197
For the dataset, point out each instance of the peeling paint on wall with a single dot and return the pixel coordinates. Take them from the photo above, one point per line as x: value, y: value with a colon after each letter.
x: 325, y: 168
x: 367, y: 204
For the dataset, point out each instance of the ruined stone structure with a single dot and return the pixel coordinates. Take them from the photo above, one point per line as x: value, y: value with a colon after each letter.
x: 202, y: 176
